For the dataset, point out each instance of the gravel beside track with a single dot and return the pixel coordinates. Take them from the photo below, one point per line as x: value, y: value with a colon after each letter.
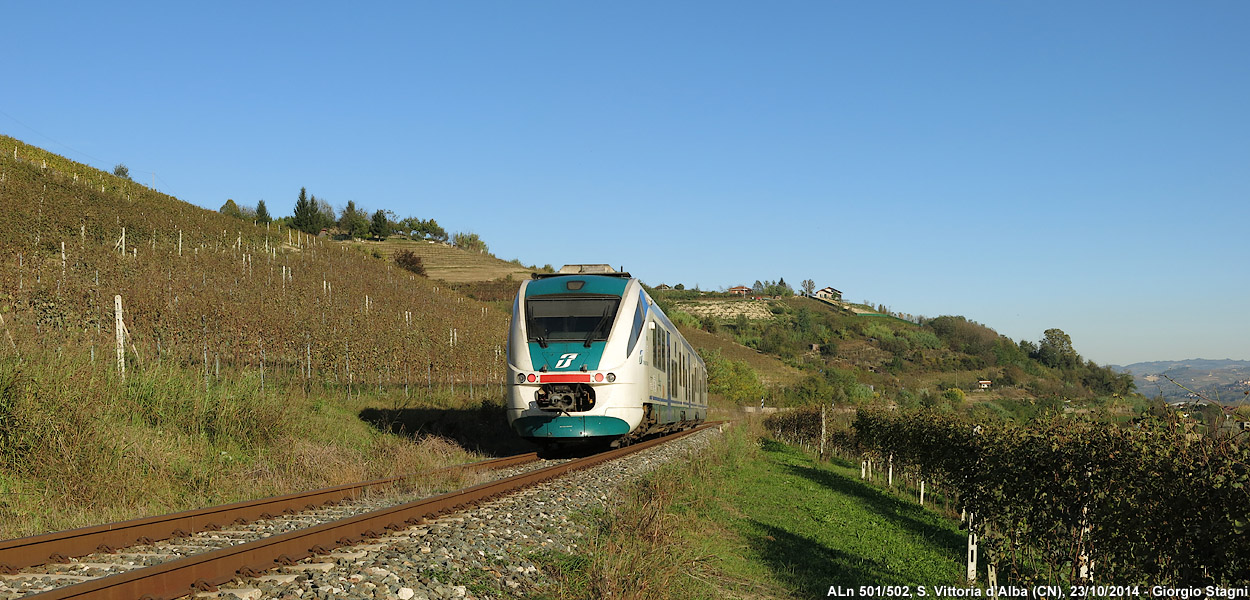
x: 37, y: 579
x: 480, y: 553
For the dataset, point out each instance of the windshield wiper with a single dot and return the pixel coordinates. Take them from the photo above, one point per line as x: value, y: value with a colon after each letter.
x: 589, y: 336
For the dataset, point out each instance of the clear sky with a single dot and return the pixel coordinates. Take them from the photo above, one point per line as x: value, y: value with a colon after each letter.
x: 1080, y: 165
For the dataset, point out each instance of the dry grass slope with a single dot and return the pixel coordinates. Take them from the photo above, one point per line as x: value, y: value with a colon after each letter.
x: 251, y: 352
x: 449, y: 263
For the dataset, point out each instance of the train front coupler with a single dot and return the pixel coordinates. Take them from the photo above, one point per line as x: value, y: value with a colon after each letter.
x: 565, y: 397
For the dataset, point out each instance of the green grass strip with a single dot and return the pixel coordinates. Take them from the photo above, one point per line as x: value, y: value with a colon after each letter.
x: 805, y: 525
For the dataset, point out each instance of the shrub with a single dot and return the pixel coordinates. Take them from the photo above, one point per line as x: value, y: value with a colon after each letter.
x: 406, y: 259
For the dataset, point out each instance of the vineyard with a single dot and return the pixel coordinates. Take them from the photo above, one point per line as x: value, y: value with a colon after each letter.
x: 201, y: 288
x: 1068, y: 501
x: 249, y: 353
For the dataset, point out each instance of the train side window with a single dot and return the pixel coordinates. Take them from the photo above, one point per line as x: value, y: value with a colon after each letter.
x: 667, y: 353
x: 655, y: 346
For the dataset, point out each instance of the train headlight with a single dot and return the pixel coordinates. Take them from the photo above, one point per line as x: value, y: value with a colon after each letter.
x: 598, y: 377
x: 520, y: 377
x: 531, y: 378
x: 611, y: 377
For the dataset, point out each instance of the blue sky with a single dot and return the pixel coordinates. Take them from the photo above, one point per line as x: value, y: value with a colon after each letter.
x: 1029, y: 165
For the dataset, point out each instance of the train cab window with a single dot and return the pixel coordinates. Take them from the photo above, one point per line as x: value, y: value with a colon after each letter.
x: 569, y: 319
x: 636, y: 329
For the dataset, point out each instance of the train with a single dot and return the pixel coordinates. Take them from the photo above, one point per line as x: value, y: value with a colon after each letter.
x: 593, y: 359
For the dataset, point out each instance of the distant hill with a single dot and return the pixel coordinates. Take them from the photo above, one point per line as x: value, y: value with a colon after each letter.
x: 1226, y: 381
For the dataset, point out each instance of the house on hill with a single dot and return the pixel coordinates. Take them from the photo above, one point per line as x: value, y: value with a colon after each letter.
x: 828, y: 293
x: 740, y: 290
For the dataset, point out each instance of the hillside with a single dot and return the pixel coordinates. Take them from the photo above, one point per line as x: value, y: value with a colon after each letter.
x: 808, y: 351
x: 257, y: 360
x: 1225, y: 381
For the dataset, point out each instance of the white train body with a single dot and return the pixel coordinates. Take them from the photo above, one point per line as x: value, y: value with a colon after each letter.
x: 591, y: 357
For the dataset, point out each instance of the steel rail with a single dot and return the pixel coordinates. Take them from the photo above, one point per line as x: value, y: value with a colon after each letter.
x: 204, y: 572
x: 61, y: 546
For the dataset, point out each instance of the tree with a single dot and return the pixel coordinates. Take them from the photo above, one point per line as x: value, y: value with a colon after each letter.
x: 469, y: 241
x: 326, y: 213
x: 306, y: 218
x: 1056, y: 351
x: 262, y: 213
x: 435, y: 231
x: 352, y: 221
x: 121, y: 171
x: 381, y: 226
x: 809, y: 286
x: 230, y: 209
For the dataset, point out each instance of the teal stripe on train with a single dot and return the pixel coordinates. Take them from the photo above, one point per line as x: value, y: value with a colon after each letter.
x: 544, y: 427
x: 595, y: 284
x: 566, y: 356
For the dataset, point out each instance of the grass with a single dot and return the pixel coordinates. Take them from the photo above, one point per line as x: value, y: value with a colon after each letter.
x: 446, y: 262
x: 754, y: 518
x: 78, y: 446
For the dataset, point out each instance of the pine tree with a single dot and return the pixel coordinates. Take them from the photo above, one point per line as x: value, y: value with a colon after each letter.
x: 381, y: 226
x: 306, y: 219
x: 262, y: 213
x: 352, y: 221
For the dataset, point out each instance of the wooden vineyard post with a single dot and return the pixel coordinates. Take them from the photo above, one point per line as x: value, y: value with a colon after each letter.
x: 1086, y: 564
x: 972, y: 551
x: 10, y: 336
x: 120, y: 326
x: 822, y: 431
x: 991, y: 577
x: 921, y: 492
x: 889, y: 478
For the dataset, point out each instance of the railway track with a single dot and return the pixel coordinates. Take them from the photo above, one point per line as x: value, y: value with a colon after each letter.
x: 62, y: 558
x: 316, y: 524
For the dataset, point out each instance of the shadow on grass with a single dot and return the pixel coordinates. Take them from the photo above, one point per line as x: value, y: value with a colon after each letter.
x: 482, y: 429
x: 809, y: 567
x: 907, y: 515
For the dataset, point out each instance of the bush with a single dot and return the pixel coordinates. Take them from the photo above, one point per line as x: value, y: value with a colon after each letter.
x: 406, y: 259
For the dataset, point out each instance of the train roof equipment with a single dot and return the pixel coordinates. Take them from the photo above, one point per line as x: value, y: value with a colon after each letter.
x: 599, y: 269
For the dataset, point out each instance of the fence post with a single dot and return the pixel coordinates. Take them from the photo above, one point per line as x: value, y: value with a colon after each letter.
x: 972, y: 551
x: 120, y: 326
x: 1084, y: 561
x: 10, y: 336
x: 822, y: 431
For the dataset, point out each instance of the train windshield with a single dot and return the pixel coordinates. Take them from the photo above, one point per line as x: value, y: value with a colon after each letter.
x: 566, y: 319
